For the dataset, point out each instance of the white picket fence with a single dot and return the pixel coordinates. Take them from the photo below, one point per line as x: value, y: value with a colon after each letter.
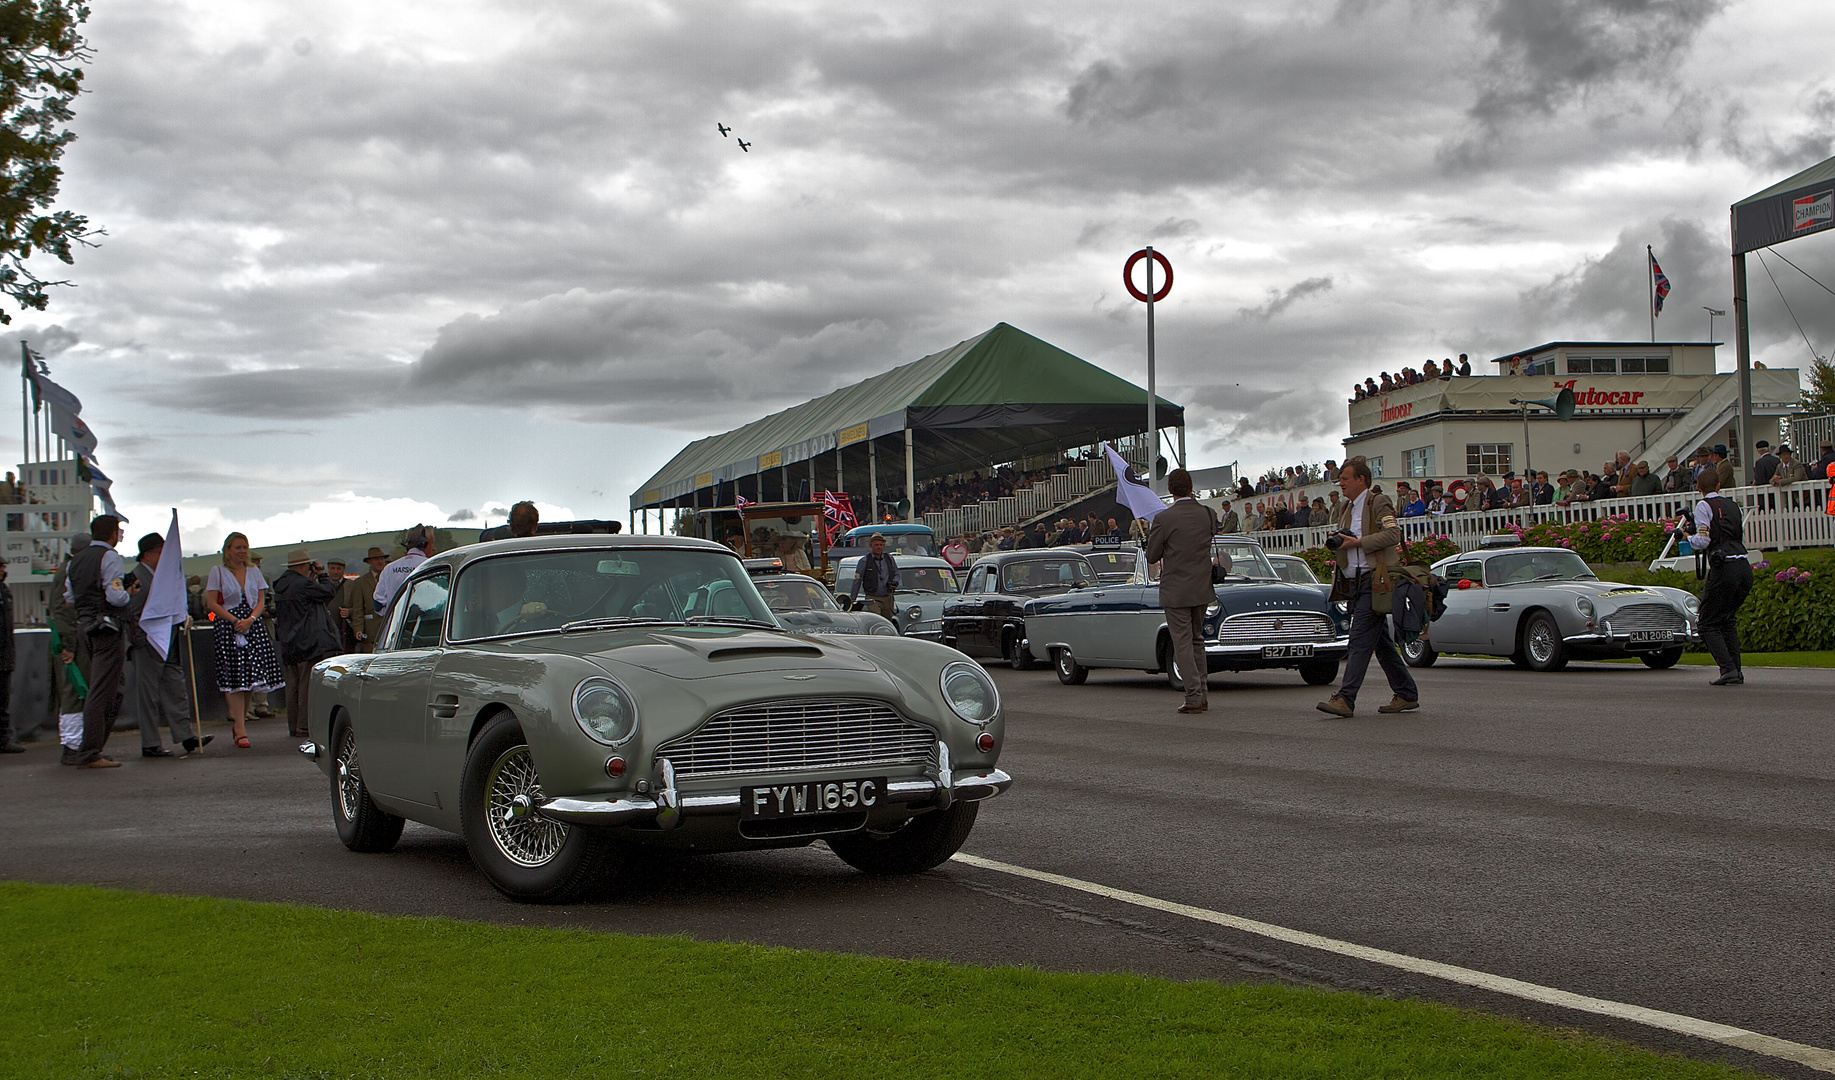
x: 1053, y: 492
x: 1776, y: 518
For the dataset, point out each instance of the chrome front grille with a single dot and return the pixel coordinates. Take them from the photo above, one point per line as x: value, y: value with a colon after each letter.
x: 1646, y: 617
x: 800, y: 736
x: 1276, y: 628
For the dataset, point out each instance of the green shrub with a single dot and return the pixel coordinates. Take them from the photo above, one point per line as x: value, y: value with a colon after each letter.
x: 1608, y: 540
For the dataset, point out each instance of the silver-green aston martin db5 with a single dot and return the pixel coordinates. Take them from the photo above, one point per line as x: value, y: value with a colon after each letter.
x: 561, y: 700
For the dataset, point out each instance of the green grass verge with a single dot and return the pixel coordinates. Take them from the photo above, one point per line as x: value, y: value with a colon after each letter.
x: 101, y: 983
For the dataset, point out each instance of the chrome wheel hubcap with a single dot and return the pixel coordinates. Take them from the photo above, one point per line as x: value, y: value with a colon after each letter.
x: 350, y: 777
x: 512, y: 791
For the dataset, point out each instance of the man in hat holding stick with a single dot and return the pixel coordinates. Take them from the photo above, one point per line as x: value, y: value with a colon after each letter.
x: 159, y: 678
x: 161, y: 618
x: 358, y: 598
x: 306, y: 631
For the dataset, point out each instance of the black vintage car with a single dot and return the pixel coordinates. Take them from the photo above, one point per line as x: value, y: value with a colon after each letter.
x: 988, y: 619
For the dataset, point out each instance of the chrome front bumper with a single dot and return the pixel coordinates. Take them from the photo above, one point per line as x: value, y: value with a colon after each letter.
x: 668, y: 806
x: 1622, y: 640
x: 1322, y: 650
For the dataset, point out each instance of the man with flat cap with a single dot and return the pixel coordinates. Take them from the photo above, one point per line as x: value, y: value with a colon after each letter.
x: 160, y: 694
x: 1722, y: 466
x: 359, y: 598
x: 1765, y: 465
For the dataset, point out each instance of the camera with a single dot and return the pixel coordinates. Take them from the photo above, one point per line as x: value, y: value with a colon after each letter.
x: 1337, y: 539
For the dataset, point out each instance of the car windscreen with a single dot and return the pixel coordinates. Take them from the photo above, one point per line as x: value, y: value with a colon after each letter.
x: 910, y: 579
x: 923, y: 543
x: 1295, y: 571
x: 1246, y: 560
x: 541, y: 590
x: 794, y: 592
x: 1521, y: 566
x: 1028, y: 575
x: 1112, y: 565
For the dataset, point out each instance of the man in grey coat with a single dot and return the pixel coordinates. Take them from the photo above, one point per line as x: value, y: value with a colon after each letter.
x: 1181, y: 543
x: 160, y: 696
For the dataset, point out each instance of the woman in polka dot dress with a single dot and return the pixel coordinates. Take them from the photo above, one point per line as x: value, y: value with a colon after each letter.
x: 246, y: 662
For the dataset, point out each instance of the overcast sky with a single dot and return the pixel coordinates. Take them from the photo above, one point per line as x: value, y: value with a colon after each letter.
x: 369, y: 264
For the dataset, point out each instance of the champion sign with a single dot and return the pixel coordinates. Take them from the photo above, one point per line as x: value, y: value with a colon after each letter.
x: 1812, y: 211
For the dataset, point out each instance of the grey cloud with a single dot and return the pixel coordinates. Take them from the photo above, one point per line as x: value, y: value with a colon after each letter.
x: 1174, y: 228
x: 54, y: 340
x: 297, y: 393
x: 1280, y: 300
x: 1547, y: 53
x: 1754, y: 143
x: 461, y: 515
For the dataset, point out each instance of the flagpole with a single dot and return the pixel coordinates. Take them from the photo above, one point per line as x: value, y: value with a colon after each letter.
x: 191, y: 666
x: 1650, y: 283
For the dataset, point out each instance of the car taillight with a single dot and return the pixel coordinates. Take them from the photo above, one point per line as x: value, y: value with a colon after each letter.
x: 985, y: 743
x: 614, y: 767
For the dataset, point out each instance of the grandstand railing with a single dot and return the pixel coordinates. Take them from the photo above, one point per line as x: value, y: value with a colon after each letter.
x: 1041, y: 498
x: 1792, y: 516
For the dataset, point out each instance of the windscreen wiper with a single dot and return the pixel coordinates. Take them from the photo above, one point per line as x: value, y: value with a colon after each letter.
x: 607, y: 621
x: 729, y: 620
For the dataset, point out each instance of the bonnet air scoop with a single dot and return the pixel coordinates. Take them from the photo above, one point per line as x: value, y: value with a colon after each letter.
x: 765, y: 652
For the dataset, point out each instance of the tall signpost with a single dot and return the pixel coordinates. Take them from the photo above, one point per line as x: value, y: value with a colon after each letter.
x: 1150, y: 297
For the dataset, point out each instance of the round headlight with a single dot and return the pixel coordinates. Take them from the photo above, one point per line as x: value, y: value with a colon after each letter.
x: 1585, y: 606
x: 970, y: 692
x: 1693, y: 604
x: 605, y: 711
x: 883, y: 629
x: 1214, y: 610
x: 914, y: 614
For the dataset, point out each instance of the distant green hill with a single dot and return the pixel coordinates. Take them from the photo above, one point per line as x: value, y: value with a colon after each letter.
x: 349, y: 548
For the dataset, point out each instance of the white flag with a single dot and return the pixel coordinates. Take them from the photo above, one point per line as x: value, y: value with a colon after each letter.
x: 69, y: 427
x: 166, y: 607
x: 57, y: 395
x: 1132, y: 492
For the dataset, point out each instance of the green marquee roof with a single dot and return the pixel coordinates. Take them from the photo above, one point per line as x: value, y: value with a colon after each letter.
x: 995, y: 397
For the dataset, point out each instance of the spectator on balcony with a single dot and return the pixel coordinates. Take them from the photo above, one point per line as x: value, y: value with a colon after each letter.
x: 1541, y: 492
x: 1228, y: 521
x: 1790, y: 470
x: 1387, y: 384
x: 1819, y: 470
x: 1465, y: 366
x: 1414, y: 504
x: 1579, y: 488
x: 1606, y: 487
x: 1436, y: 503
x: 1723, y: 466
x: 1370, y: 387
x: 1675, y: 475
x: 1430, y: 370
x: 1643, y: 481
x: 1357, y: 391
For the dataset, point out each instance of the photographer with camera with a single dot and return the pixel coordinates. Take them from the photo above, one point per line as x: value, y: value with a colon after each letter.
x: 1363, y: 546
x: 307, y: 633
x: 93, y: 585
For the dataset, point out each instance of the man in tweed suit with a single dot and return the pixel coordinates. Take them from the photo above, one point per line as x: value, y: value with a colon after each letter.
x: 1181, y: 543
x: 1367, y: 526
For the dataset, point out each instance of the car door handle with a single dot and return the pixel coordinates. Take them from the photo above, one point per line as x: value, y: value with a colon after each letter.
x: 445, y: 706
x: 1500, y: 607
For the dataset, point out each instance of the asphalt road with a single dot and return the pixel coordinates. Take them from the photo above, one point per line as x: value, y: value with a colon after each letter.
x: 1617, y: 832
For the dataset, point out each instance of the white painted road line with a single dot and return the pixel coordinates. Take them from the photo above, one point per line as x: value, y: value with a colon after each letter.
x: 1813, y: 1056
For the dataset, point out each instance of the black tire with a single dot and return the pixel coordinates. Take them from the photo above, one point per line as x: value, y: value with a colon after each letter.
x: 1668, y: 658
x: 1419, y: 653
x: 1070, y: 673
x: 1319, y: 672
x: 925, y: 841
x: 525, y: 856
x: 1019, y: 658
x: 1169, y: 666
x: 362, y: 825
x: 1542, y: 648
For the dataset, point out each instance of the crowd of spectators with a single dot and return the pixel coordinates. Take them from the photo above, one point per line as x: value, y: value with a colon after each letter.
x: 974, y: 488
x: 1408, y: 376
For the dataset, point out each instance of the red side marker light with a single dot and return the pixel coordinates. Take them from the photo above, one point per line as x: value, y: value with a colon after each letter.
x: 614, y: 767
x: 985, y: 743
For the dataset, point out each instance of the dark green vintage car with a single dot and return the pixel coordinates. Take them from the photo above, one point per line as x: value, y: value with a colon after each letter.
x: 1258, y: 621
x: 559, y: 700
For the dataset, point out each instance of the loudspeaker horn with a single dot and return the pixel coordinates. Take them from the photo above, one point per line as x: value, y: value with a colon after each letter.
x: 1562, y: 404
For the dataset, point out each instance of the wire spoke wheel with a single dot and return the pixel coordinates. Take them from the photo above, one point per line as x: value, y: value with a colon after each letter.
x: 1541, y: 642
x: 512, y: 792
x: 350, y: 776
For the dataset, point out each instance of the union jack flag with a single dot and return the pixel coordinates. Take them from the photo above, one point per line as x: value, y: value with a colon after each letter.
x: 837, y: 514
x: 741, y: 501
x: 1661, y: 282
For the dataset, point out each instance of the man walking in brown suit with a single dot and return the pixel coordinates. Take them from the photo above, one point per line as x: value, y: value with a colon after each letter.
x: 358, y: 596
x: 1363, y: 545
x: 1181, y: 543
